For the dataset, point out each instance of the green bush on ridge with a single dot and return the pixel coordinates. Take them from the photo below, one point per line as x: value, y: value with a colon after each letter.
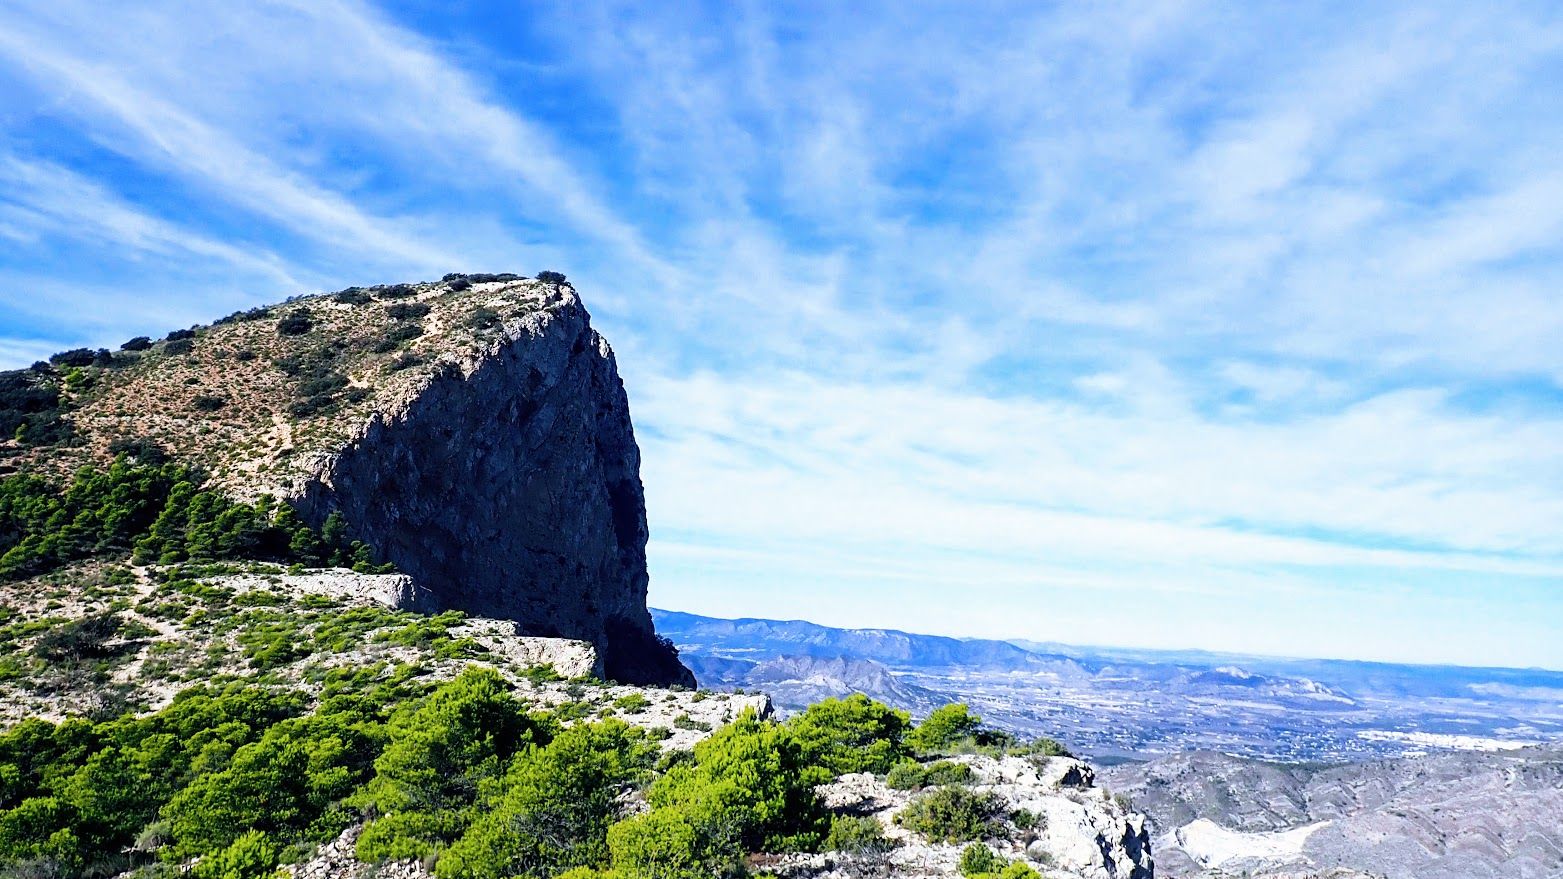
x: 954, y: 814
x: 855, y: 734
x: 911, y: 775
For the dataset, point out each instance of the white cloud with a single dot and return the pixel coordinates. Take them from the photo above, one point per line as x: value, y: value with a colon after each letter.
x: 1188, y: 298
x: 47, y: 197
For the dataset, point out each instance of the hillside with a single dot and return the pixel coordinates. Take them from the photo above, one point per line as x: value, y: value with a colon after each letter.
x: 1464, y: 815
x: 473, y: 431
x: 355, y: 586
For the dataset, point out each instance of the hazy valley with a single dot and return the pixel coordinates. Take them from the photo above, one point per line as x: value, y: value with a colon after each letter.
x: 1245, y: 765
x: 1117, y: 704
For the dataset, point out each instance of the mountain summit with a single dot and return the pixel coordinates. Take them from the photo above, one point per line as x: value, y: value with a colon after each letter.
x: 474, y: 430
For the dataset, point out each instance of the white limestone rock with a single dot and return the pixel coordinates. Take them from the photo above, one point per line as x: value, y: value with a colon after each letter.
x: 1082, y: 832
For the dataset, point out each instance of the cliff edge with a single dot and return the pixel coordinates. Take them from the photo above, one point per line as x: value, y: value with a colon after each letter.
x: 474, y: 430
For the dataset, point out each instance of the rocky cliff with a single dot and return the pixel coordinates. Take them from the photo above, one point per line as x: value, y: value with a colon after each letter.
x: 509, y: 483
x: 473, y: 430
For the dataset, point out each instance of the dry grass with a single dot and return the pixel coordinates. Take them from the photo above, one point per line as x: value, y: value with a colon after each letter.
x: 232, y: 404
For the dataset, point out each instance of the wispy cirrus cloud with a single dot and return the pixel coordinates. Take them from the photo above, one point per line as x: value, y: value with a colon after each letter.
x: 1240, y: 309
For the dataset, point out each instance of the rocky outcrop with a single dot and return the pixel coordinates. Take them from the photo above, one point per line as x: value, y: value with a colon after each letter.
x: 1073, y: 829
x: 473, y: 430
x: 391, y: 590
x: 507, y: 484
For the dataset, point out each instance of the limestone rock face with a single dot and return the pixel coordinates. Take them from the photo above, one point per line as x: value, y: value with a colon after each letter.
x: 507, y: 484
x: 1079, y: 831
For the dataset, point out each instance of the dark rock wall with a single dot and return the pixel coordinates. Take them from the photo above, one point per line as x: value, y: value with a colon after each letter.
x: 510, y: 487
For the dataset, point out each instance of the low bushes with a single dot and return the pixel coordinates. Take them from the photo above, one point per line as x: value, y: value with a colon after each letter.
x: 944, y: 729
x: 462, y: 775
x: 980, y: 862
x: 747, y: 788
x: 31, y: 408
x: 557, y: 805
x: 296, y: 323
x: 858, y: 836
x: 912, y: 775
x: 407, y: 310
x: 954, y: 814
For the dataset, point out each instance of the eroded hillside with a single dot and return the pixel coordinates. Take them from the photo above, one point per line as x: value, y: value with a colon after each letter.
x: 474, y: 431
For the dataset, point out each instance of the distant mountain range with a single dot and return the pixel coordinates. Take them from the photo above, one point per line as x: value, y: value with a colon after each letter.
x: 1115, y: 703
x: 698, y: 634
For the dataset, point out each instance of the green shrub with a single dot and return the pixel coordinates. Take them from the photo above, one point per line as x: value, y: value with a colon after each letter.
x: 906, y: 775
x: 746, y: 789
x: 671, y: 844
x: 441, y: 753
x: 954, y: 814
x: 251, y: 856
x: 139, y: 343
x: 855, y: 734
x: 78, y: 794
x: 245, y: 316
x: 977, y: 859
x: 684, y: 721
x: 79, y: 639
x: 76, y: 357
x: 1043, y: 747
x: 558, y: 803
x: 296, y: 323
x: 31, y: 408
x: 291, y: 782
x: 911, y: 775
x: 483, y: 318
x: 160, y: 510
x: 944, y: 729
x: 394, y: 336
x: 632, y: 703
x: 858, y: 836
x: 407, y: 310
x: 322, y: 384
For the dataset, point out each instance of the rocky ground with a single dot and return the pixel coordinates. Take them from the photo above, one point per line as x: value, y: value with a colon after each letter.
x: 1058, y: 822
x: 173, y: 628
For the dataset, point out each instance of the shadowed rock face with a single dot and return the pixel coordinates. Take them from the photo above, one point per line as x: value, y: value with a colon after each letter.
x: 509, y: 486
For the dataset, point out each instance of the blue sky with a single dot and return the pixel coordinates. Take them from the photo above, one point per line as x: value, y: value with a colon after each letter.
x: 1233, y: 326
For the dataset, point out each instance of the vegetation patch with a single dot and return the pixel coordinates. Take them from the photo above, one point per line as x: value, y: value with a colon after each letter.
x: 954, y: 814
x: 911, y: 775
x: 161, y: 513
x: 31, y: 407
x: 855, y: 734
